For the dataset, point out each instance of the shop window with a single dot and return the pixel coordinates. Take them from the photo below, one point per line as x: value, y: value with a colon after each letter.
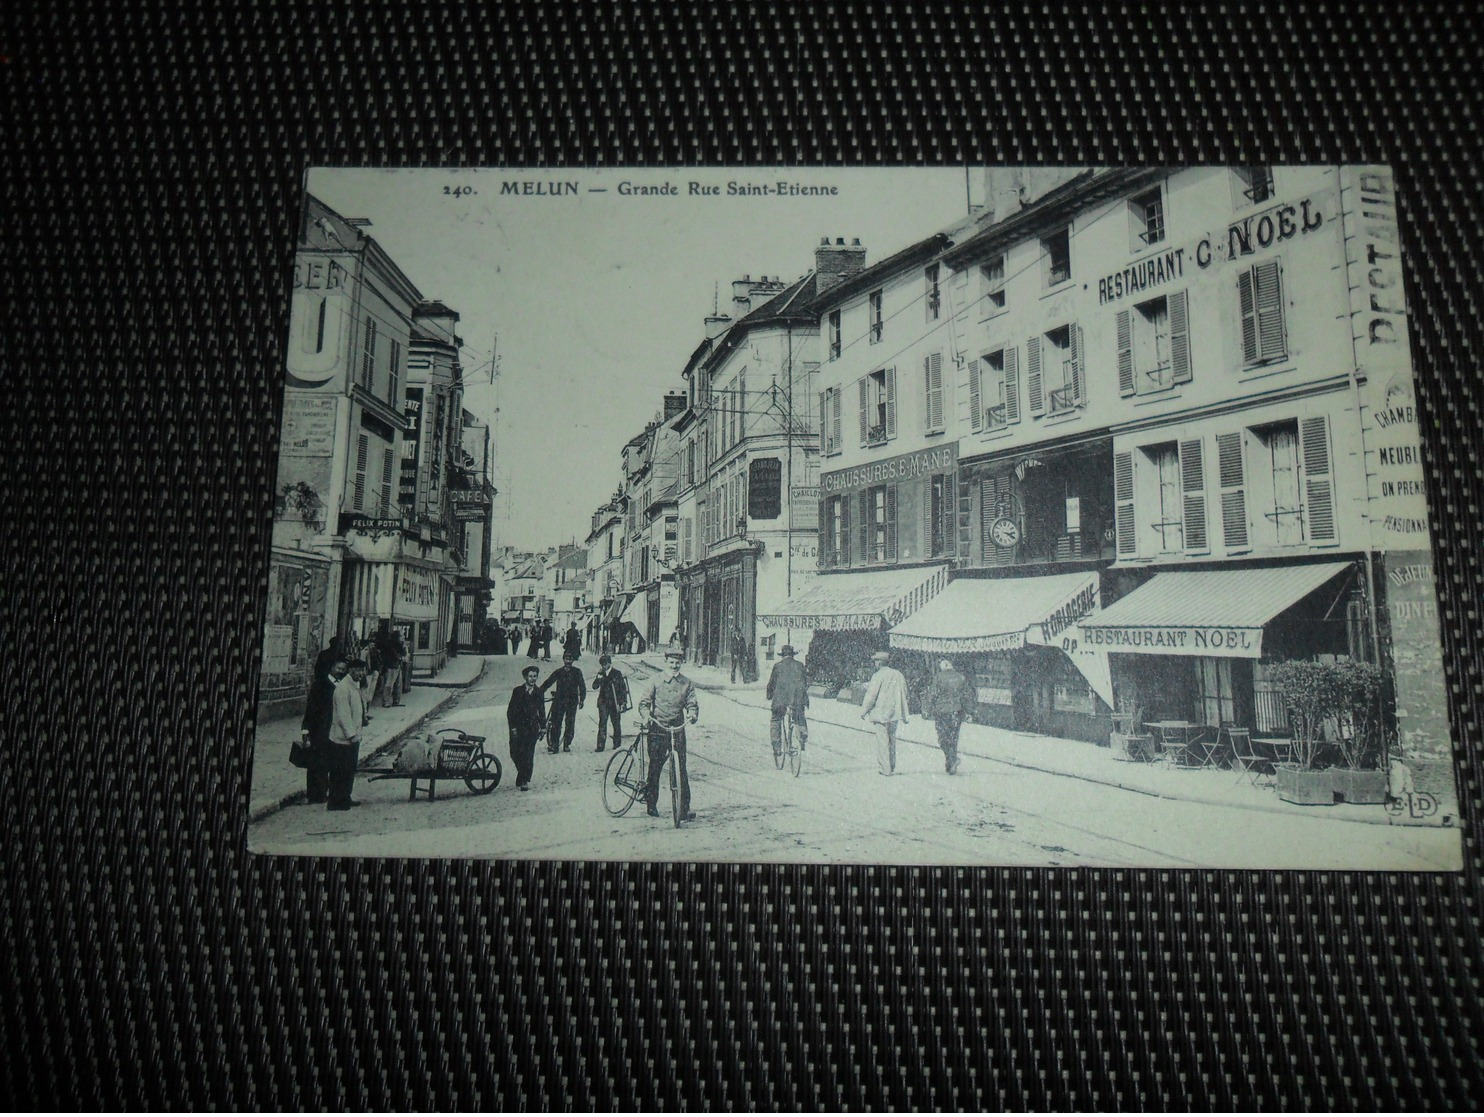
x: 992, y: 686
x: 1056, y: 256
x: 878, y: 406
x: 836, y: 535
x: 1260, y: 296
x: 424, y: 635
x: 992, y: 277
x: 932, y: 380
x: 878, y: 524
x: 933, y: 293
x: 835, y: 345
x: 873, y: 302
x: 1217, y: 697
x: 1073, y: 696
x: 765, y: 488
x: 1147, y: 218
x: 1153, y: 345
x: 1251, y: 185
x: 1055, y: 361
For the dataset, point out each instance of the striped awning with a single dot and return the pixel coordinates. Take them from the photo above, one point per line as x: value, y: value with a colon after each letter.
x: 615, y: 608
x: 1204, y: 612
x: 998, y: 614
x: 859, y: 599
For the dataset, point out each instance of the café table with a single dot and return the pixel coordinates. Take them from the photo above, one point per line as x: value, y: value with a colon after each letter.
x: 1281, y: 748
x: 1173, y: 740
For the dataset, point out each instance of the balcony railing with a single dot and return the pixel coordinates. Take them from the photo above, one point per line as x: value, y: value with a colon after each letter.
x: 994, y: 418
x: 876, y: 435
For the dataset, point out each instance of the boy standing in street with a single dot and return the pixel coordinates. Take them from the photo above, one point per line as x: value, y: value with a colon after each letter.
x: 612, y: 690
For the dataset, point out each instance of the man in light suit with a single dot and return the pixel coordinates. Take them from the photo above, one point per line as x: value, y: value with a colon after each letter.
x: 347, y: 721
x: 885, y: 707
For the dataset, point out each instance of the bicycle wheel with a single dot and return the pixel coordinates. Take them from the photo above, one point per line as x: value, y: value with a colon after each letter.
x: 621, y: 783
x: 780, y: 754
x: 674, y: 789
x: 795, y: 754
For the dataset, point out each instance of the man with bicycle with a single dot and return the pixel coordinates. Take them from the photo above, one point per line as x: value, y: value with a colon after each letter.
x: 787, y: 690
x: 668, y: 703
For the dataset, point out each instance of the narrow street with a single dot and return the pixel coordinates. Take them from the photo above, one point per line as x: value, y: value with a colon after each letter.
x: 838, y: 810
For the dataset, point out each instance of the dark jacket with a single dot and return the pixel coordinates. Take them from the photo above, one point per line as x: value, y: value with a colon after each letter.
x: 567, y: 680
x: 319, y: 706
x: 572, y: 642
x: 611, y: 687
x: 526, y: 713
x: 949, y: 695
x: 786, y: 686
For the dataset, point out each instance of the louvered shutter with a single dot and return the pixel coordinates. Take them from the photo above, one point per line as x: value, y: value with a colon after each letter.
x: 1079, y: 396
x: 1011, y: 359
x: 965, y: 516
x: 1247, y: 298
x: 1193, y: 492
x: 986, y: 517
x: 891, y: 523
x: 835, y: 397
x: 1179, y: 338
x: 842, y: 509
x: 1319, y: 485
x: 891, y: 403
x: 932, y: 369
x: 976, y: 398
x: 1035, y: 397
x: 1125, y: 353
x: 865, y: 422
x: 867, y: 553
x: 1270, y: 334
x: 1123, y: 503
x: 824, y: 422
x: 386, y: 483
x: 1231, y: 477
x: 363, y: 451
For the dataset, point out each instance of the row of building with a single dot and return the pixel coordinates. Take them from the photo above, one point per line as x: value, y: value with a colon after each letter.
x: 1117, y: 441
x: 383, y: 514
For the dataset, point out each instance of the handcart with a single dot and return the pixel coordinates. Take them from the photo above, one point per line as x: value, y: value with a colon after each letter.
x: 453, y: 755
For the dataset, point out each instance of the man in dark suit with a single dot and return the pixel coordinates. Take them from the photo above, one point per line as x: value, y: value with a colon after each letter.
x: 329, y: 668
x: 526, y: 716
x: 788, y: 691
x: 570, y: 693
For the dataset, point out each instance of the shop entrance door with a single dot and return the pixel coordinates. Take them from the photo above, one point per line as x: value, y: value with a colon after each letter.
x: 1032, y: 689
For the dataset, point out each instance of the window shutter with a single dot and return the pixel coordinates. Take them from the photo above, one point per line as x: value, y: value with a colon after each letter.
x: 976, y: 397
x: 368, y: 358
x: 891, y: 523
x: 865, y: 423
x: 986, y: 517
x: 842, y: 509
x: 1012, y: 385
x: 1319, y: 486
x: 940, y: 485
x: 1193, y: 490
x: 835, y: 442
x: 1179, y: 338
x: 891, y: 403
x: 1247, y: 297
x: 1079, y: 396
x: 1125, y: 354
x: 386, y: 483
x: 1035, y: 398
x: 964, y: 514
x: 866, y: 554
x: 1123, y: 501
x: 1231, y: 476
x: 824, y: 423
x: 363, y: 451
x: 1269, y: 284
x: 933, y: 375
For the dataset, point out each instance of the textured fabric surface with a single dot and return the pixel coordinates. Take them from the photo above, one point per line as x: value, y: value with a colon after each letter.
x: 151, y: 169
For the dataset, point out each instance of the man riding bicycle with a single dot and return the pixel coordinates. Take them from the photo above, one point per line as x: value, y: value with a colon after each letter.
x: 787, y: 690
x: 669, y: 702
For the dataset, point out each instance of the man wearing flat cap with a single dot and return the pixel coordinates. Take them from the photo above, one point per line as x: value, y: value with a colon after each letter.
x: 669, y: 702
x: 885, y: 707
x: 950, y: 701
x: 788, y: 691
x: 526, y: 716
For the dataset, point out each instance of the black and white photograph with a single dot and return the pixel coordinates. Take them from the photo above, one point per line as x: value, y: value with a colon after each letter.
x: 980, y: 515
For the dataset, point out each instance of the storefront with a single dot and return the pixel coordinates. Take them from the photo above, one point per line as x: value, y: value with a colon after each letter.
x: 1007, y: 635
x: 294, y: 631
x: 728, y: 608
x: 1192, y: 645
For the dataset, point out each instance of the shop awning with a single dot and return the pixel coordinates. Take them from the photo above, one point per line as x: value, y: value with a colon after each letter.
x: 861, y: 599
x: 1204, y: 612
x: 615, y: 608
x: 996, y: 615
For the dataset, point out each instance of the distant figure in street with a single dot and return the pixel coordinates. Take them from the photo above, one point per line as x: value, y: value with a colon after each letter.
x: 514, y: 635
x: 319, y: 712
x: 885, y: 707
x: 669, y: 703
x: 569, y: 695
x: 347, y: 723
x: 572, y: 642
x: 393, y: 666
x: 612, y: 690
x: 788, y: 691
x: 526, y: 717
x: 950, y: 701
x: 498, y: 640
x: 739, y: 654
x: 372, y: 655
x: 533, y: 641
x: 546, y: 636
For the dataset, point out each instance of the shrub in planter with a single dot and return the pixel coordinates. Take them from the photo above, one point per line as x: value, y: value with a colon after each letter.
x: 1360, y: 785
x: 1314, y: 787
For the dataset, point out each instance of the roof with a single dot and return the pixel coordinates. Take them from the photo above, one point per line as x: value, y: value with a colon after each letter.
x: 994, y: 614
x: 920, y: 252
x: 793, y: 305
x: 860, y: 599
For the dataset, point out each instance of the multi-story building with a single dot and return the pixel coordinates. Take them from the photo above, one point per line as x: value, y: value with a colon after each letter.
x: 605, y: 549
x: 472, y: 496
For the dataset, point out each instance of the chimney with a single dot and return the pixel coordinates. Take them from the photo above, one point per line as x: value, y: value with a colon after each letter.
x: 674, y: 404
x: 716, y: 325
x: 836, y: 262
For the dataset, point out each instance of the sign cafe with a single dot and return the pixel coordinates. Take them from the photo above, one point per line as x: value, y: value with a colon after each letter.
x: 903, y: 467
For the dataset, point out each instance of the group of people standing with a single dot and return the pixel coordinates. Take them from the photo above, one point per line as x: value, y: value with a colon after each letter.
x: 538, y: 637
x: 529, y: 717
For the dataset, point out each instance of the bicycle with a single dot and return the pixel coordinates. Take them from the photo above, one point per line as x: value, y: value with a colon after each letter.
x: 788, y: 753
x: 674, y: 778
x: 626, y: 777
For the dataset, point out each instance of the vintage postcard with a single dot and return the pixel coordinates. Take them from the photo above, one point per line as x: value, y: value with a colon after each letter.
x: 1038, y: 516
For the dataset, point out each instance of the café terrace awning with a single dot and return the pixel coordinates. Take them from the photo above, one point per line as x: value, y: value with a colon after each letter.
x: 994, y: 615
x: 861, y: 599
x: 616, y: 607
x: 1204, y: 612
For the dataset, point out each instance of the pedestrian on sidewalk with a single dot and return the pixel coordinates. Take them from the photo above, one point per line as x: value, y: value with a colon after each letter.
x: 547, y: 633
x: 669, y: 702
x: 885, y: 707
x: 739, y: 653
x: 533, y: 643
x: 526, y: 718
x: 612, y: 690
x: 372, y: 655
x: 497, y: 639
x: 789, y: 691
x: 393, y: 662
x: 950, y: 701
x: 319, y: 712
x: 347, y: 723
x: 572, y: 643
x: 569, y: 694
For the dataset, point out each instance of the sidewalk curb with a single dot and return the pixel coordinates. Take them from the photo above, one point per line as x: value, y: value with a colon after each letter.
x: 433, y: 683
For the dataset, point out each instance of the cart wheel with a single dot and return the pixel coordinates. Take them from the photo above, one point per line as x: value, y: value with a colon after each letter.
x: 483, y: 774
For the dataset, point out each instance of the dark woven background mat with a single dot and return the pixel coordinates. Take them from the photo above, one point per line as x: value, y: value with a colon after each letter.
x: 152, y: 160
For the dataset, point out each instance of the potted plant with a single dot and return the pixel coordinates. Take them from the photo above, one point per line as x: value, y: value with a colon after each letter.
x: 1361, y: 775
x: 1309, y: 690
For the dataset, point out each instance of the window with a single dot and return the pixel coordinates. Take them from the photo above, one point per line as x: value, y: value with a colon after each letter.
x: 829, y: 421
x: 424, y: 635
x: 1147, y: 218
x: 836, y: 532
x: 932, y: 379
x: 1165, y: 494
x: 934, y: 295
x: 1217, y: 697
x: 941, y: 500
x: 878, y: 407
x: 1153, y: 345
x: 1169, y: 524
x: 1252, y: 185
x: 685, y: 540
x: 368, y: 355
x: 765, y: 488
x: 992, y: 277
x: 994, y: 390
x: 834, y: 334
x: 1291, y: 485
x: 394, y: 373
x: 1061, y: 367
x: 879, y: 524
x: 874, y: 308
x: 1260, y: 295
x: 1056, y: 251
